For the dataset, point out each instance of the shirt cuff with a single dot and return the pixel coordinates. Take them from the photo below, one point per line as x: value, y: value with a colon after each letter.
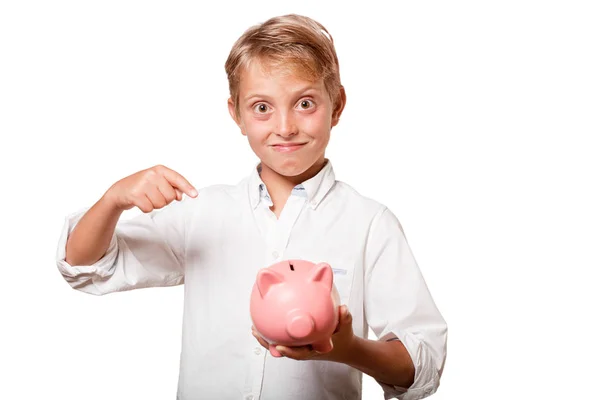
x: 79, y: 276
x: 426, y: 380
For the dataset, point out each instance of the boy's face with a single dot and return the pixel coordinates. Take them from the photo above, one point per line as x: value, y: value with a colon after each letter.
x: 287, y: 119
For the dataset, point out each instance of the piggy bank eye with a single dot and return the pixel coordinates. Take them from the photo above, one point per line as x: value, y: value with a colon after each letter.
x: 291, y: 267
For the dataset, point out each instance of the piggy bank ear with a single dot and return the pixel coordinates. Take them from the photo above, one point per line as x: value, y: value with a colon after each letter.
x: 267, y: 278
x: 323, y: 274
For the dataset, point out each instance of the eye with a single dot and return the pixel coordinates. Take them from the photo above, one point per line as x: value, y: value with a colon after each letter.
x: 261, y: 108
x: 306, y: 104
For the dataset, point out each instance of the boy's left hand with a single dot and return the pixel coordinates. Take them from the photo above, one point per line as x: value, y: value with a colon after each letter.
x: 342, y: 338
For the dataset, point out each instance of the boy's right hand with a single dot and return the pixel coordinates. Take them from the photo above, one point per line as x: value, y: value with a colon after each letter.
x: 149, y: 189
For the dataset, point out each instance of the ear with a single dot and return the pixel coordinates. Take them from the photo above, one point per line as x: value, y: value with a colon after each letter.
x: 267, y: 278
x: 337, y: 112
x: 234, y: 115
x: 323, y: 274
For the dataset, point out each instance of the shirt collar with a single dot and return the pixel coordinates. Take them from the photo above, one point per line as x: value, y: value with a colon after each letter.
x: 314, y: 188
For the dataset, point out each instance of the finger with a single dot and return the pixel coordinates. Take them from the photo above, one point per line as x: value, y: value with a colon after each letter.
x: 143, y: 203
x: 260, y: 340
x: 344, y: 313
x: 297, y: 353
x: 155, y: 196
x: 344, y: 318
x: 178, y: 181
x: 166, y: 190
x: 347, y: 316
x: 340, y: 319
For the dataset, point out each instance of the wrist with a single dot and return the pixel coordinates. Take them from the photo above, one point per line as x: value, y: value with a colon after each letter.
x: 352, y: 351
x: 109, y: 204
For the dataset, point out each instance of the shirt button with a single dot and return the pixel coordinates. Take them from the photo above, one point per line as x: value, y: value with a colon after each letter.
x: 275, y: 254
x: 257, y: 350
x: 250, y: 397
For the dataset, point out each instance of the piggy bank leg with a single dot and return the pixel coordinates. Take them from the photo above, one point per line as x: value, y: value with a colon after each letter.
x: 274, y: 351
x: 324, y: 346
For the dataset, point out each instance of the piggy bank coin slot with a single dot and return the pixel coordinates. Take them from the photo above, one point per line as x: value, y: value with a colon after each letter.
x: 291, y: 267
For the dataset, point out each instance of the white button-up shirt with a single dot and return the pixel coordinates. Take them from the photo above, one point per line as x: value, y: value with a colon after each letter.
x: 218, y: 241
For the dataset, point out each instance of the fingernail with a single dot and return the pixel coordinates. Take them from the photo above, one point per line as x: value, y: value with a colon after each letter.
x: 194, y: 193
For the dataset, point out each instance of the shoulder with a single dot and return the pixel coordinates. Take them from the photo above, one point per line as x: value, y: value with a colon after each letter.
x: 354, y: 198
x: 218, y: 196
x: 219, y: 193
x: 378, y: 213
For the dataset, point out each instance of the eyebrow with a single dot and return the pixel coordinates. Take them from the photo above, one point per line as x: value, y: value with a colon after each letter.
x: 296, y: 92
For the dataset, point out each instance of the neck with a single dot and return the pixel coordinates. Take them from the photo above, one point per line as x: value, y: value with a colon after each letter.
x: 280, y: 183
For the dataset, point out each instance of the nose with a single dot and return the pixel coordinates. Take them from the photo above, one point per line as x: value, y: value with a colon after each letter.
x: 285, y: 124
x: 299, y: 324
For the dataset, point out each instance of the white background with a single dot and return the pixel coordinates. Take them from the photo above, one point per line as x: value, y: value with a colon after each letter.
x: 476, y: 123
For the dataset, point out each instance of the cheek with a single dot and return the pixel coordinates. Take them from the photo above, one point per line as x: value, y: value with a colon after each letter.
x: 257, y: 145
x: 256, y: 139
x: 253, y: 129
x: 318, y: 125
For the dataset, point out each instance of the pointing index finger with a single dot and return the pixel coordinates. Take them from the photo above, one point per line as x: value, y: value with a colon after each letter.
x: 179, y: 182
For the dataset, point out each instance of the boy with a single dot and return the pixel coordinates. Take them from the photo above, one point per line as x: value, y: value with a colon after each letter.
x: 286, y: 96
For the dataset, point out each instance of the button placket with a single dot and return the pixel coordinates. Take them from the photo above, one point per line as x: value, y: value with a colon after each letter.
x: 257, y: 363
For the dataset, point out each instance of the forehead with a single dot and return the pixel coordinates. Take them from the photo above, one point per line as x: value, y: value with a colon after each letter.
x: 259, y: 76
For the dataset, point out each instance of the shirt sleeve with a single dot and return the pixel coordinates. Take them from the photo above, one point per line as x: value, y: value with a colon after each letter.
x: 145, y: 251
x: 398, y: 306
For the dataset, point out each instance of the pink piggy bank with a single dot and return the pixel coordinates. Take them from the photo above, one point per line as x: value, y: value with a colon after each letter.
x: 295, y: 303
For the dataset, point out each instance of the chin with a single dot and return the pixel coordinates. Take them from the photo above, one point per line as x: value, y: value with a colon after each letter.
x: 290, y: 168
x: 291, y: 172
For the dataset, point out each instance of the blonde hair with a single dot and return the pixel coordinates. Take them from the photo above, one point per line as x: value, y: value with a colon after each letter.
x: 289, y: 43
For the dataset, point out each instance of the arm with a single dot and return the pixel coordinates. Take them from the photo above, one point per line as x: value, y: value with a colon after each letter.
x: 408, y: 358
x: 388, y: 362
x: 91, y: 237
x: 385, y: 361
x: 399, y: 307
x: 145, y: 251
x: 98, y: 253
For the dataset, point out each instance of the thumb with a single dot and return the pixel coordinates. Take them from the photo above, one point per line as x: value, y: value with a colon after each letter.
x: 345, y: 316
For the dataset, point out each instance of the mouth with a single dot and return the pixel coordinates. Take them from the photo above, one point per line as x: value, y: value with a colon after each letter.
x: 287, y: 147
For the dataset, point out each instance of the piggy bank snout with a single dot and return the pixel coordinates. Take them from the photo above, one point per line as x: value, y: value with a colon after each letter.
x: 299, y: 324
